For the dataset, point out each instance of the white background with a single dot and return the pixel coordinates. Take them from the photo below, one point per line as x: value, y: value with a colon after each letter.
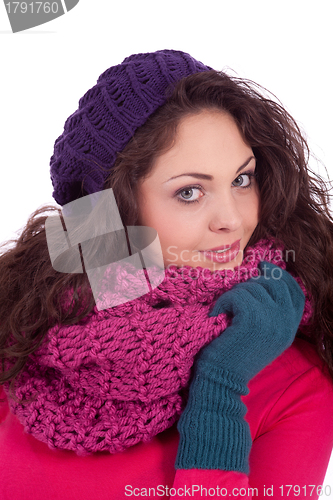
x: 285, y: 46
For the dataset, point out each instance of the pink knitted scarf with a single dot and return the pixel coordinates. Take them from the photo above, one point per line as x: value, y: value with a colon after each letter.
x: 118, y: 377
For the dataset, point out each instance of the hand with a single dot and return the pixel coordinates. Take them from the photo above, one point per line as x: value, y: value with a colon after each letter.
x: 266, y: 314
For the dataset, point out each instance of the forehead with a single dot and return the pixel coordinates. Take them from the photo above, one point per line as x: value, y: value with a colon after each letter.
x: 206, y: 140
x: 209, y: 123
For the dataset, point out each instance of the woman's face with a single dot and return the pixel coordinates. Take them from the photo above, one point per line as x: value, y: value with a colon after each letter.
x: 201, y: 195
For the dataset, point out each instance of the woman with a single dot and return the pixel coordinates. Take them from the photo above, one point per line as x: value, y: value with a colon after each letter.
x: 220, y: 172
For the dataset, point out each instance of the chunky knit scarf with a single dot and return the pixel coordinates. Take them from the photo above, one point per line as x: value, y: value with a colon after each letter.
x: 118, y: 377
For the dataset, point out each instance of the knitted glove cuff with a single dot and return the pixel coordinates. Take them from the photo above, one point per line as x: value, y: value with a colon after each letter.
x: 213, y: 432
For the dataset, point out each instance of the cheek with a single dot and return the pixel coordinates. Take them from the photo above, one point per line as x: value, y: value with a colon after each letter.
x: 251, y: 212
x: 148, y: 210
x: 255, y: 211
x: 153, y: 215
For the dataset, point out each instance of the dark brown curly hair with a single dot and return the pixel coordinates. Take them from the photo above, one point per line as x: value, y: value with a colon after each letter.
x: 294, y: 208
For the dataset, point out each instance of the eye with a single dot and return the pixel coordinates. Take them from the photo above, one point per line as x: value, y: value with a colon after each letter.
x: 189, y: 194
x: 244, y: 180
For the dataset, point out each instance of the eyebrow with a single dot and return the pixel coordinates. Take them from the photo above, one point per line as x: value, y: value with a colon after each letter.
x: 206, y: 176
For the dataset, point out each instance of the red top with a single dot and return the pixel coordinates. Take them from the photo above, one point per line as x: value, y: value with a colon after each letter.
x: 290, y: 413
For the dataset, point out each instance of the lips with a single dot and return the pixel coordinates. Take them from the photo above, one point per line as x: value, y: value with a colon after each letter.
x: 223, y: 248
x: 223, y: 253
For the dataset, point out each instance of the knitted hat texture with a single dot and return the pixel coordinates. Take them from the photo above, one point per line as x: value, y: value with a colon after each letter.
x: 108, y: 115
x: 118, y: 376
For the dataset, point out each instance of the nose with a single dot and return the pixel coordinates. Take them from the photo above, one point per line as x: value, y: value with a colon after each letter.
x: 225, y: 216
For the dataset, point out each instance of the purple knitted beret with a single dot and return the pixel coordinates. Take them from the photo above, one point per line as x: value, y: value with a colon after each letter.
x: 108, y: 116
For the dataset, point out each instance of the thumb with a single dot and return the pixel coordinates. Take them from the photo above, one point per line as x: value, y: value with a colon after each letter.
x: 229, y: 302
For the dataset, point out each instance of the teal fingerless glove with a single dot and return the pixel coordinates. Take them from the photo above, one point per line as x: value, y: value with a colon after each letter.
x: 266, y: 313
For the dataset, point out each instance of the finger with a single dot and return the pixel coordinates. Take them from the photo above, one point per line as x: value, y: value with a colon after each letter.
x: 230, y: 302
